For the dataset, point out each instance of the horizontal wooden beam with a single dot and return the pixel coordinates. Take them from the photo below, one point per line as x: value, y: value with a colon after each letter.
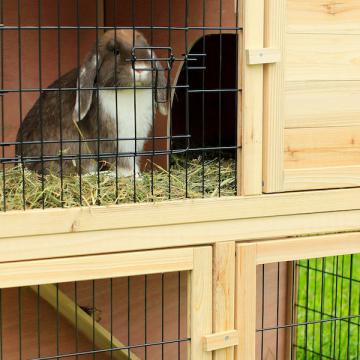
x: 38, y: 272
x: 177, y: 235
x: 130, y: 216
x: 221, y: 340
x: 322, y: 178
x: 310, y: 247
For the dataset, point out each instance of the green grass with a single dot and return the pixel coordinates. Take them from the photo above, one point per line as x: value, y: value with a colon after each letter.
x: 329, y: 288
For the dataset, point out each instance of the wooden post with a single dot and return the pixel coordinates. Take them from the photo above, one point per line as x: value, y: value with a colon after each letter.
x: 245, y: 301
x: 251, y: 99
x: 224, y: 294
x: 291, y: 313
x: 274, y: 88
x: 201, y: 302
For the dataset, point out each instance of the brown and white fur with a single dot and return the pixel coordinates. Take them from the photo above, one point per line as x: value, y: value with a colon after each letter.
x: 91, y: 114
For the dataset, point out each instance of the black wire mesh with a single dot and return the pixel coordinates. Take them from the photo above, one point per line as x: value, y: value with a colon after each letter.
x: 143, y: 317
x: 309, y: 309
x: 69, y: 143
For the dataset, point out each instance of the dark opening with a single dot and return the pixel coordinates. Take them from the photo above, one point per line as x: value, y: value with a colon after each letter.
x: 212, y: 95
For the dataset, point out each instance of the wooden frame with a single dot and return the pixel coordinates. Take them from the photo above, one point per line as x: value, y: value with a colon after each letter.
x: 249, y: 255
x: 251, y: 100
x: 56, y: 233
x: 198, y: 261
x: 48, y: 271
x: 308, y: 100
x: 274, y: 85
x: 225, y: 338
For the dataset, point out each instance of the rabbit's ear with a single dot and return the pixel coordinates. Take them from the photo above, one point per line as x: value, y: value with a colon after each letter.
x: 162, y: 89
x: 87, y: 76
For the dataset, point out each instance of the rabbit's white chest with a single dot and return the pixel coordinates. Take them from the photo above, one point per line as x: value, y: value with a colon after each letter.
x: 131, y: 123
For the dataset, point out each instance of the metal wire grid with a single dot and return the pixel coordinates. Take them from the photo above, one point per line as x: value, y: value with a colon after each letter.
x: 147, y: 314
x: 309, y: 309
x: 190, y: 63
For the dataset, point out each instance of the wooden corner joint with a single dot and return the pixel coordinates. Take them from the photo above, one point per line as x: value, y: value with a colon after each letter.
x: 263, y: 56
x: 221, y: 340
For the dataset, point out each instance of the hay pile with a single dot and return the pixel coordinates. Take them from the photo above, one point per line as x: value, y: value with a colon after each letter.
x: 193, y: 179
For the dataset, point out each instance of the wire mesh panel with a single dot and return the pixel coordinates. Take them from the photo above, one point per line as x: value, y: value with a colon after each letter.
x: 109, y: 101
x: 309, y: 309
x: 144, y: 317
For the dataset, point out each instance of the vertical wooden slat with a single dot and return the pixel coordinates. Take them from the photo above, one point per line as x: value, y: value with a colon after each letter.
x: 291, y: 316
x: 224, y: 294
x: 245, y: 301
x: 201, y: 302
x: 274, y: 92
x: 252, y: 100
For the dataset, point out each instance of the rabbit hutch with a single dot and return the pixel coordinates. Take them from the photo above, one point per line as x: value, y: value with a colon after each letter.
x: 180, y: 179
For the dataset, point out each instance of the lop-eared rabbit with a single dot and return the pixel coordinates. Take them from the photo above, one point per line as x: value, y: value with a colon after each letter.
x: 92, y: 114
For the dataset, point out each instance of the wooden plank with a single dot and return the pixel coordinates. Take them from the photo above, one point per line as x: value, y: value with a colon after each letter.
x: 322, y: 103
x: 38, y: 272
x: 291, y: 309
x: 201, y: 302
x: 312, y: 57
x: 274, y: 82
x: 322, y: 147
x: 252, y: 100
x: 223, y: 299
x: 77, y: 220
x: 221, y: 340
x: 263, y: 56
x: 324, y: 16
x: 84, y: 323
x: 322, y: 178
x: 97, y: 242
x: 245, y: 317
x: 310, y: 247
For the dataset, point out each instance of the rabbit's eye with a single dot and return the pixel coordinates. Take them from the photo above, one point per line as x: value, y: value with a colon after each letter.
x: 116, y: 51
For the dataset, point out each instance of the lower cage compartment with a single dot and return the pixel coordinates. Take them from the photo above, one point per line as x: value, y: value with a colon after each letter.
x: 142, y: 317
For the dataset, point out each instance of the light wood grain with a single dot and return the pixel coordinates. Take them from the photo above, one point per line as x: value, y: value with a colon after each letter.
x: 221, y: 340
x: 201, y: 302
x: 263, y: 56
x: 274, y: 82
x: 322, y: 104
x: 223, y: 298
x: 312, y: 57
x: 252, y: 100
x: 324, y: 16
x: 292, y: 286
x: 245, y: 318
x: 38, y: 272
x: 84, y: 323
x: 322, y: 147
x: 134, y: 239
x: 307, y: 247
x: 322, y: 178
x: 78, y: 220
